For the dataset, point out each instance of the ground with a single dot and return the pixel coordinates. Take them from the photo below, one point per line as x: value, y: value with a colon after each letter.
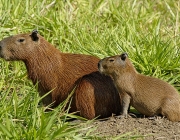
x: 160, y: 128
x: 140, y: 127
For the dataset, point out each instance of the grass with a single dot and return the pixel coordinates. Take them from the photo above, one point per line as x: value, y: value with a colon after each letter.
x: 147, y: 30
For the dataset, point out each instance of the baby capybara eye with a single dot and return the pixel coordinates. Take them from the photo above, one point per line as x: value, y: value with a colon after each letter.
x: 20, y: 40
x: 111, y: 60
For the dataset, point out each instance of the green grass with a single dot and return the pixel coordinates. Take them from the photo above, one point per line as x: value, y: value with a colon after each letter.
x: 147, y: 30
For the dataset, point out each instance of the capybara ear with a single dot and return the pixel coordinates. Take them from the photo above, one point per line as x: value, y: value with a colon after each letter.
x: 123, y: 56
x: 34, y: 35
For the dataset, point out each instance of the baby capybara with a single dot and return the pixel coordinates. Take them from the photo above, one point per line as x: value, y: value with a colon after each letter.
x: 150, y: 96
x: 61, y: 73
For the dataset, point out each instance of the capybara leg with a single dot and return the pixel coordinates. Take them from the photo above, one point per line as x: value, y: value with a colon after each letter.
x: 85, y: 100
x: 125, y: 102
x: 171, y: 109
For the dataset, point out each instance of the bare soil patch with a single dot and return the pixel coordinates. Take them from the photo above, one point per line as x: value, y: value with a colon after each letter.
x: 138, y: 128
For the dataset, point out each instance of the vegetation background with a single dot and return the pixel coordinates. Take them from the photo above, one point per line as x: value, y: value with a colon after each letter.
x: 149, y: 31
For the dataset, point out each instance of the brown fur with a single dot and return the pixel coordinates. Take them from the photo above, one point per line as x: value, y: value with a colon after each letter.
x: 94, y: 94
x: 150, y: 96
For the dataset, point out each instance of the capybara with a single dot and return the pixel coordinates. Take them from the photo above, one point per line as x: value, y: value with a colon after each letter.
x: 150, y: 96
x: 61, y: 73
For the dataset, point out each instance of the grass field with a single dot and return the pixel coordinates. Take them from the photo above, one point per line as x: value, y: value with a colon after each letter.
x: 149, y: 31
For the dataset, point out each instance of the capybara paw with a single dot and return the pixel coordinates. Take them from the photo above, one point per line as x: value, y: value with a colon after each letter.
x: 154, y: 117
x: 122, y: 116
x: 132, y: 115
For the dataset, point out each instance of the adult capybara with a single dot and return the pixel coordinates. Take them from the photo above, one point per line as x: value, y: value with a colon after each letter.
x: 61, y: 73
x: 150, y: 96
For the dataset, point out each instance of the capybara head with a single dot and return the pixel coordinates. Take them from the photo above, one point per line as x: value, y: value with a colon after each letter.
x: 18, y: 47
x: 114, y: 64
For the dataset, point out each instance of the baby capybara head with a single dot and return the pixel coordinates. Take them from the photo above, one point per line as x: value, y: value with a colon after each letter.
x: 19, y: 47
x: 114, y: 64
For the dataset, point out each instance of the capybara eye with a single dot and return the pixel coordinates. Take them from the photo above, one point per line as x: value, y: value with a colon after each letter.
x: 111, y: 60
x: 21, y: 40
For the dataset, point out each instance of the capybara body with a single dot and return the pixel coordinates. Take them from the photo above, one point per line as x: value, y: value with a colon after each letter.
x: 61, y: 73
x: 150, y: 96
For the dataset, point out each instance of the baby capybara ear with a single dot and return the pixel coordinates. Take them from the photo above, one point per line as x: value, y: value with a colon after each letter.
x: 124, y: 56
x: 34, y: 35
